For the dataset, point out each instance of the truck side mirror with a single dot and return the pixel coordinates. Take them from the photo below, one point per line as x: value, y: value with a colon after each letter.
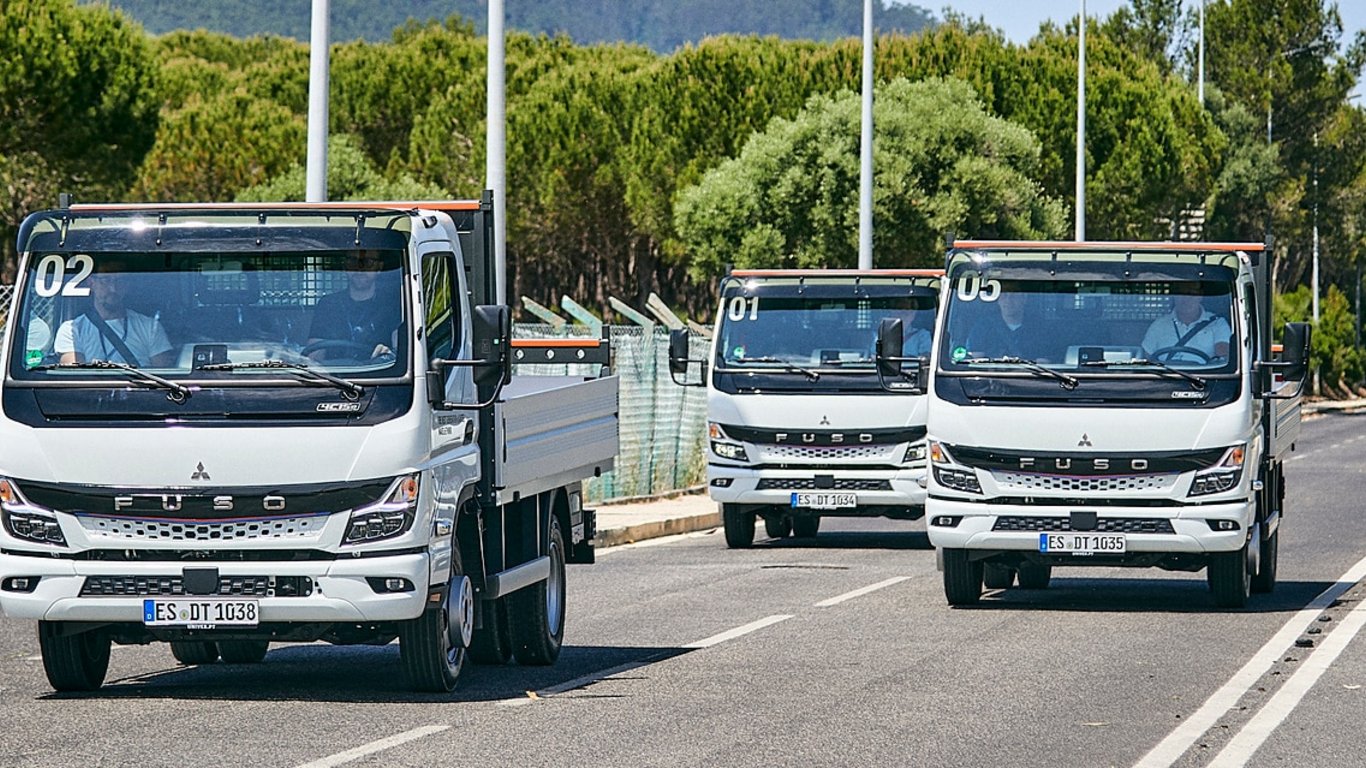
x: 678, y: 351
x: 1295, y: 351
x: 491, y: 332
x: 890, y: 338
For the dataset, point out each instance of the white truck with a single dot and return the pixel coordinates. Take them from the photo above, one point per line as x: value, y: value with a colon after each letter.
x: 223, y: 426
x: 801, y: 423
x: 1109, y: 404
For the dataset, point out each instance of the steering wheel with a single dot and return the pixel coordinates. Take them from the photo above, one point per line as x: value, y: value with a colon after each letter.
x: 361, y: 350
x: 1165, y: 354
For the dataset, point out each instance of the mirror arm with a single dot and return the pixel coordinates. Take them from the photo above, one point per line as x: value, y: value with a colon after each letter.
x: 439, y: 364
x: 685, y: 383
x: 882, y: 379
x: 1275, y: 394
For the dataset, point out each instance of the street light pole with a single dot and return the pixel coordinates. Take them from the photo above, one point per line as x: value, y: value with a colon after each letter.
x: 315, y: 174
x: 494, y: 151
x: 865, y: 207
x: 1081, y: 125
x: 1200, y: 87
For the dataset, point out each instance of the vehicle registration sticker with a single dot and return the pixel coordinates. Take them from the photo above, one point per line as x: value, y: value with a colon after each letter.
x: 1082, y: 543
x: 200, y: 613
x: 824, y: 500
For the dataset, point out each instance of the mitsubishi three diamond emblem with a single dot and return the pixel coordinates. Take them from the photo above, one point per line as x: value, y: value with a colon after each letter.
x: 1084, y: 441
x: 199, y: 473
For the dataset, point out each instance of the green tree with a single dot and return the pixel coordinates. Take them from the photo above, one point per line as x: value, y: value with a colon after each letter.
x: 350, y: 176
x: 942, y: 165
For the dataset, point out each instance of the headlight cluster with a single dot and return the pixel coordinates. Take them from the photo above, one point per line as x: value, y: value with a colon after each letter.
x: 1221, y: 477
x: 915, y: 452
x: 722, y: 446
x: 391, y: 516
x: 25, y: 521
x: 956, y: 478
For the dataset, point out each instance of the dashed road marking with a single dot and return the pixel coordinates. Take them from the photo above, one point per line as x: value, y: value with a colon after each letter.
x: 861, y: 591
x: 365, y: 750
x: 731, y: 634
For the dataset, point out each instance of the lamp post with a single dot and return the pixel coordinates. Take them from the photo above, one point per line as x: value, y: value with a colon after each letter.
x: 495, y: 169
x: 865, y: 207
x: 1081, y: 125
x: 316, y: 170
x: 1200, y: 80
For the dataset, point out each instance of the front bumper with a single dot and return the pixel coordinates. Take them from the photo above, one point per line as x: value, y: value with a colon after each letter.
x: 900, y: 489
x: 1190, y: 530
x: 341, y: 593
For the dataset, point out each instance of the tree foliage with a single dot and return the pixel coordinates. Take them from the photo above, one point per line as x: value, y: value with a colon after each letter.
x: 942, y: 164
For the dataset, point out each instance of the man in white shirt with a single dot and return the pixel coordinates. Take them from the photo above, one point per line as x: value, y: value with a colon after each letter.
x: 1189, y: 326
x: 110, y: 331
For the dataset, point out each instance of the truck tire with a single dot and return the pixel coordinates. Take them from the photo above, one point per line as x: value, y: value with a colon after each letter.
x: 194, y: 652
x: 997, y: 576
x: 962, y: 578
x: 778, y: 526
x: 536, y: 613
x: 806, y: 526
x: 73, y: 662
x: 492, y: 643
x: 433, y: 647
x: 1034, y: 575
x: 1265, y: 579
x: 739, y: 526
x: 243, y: 651
x: 1228, y: 577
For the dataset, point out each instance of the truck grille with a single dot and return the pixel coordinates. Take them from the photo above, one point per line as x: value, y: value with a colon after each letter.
x: 833, y: 453
x: 809, y: 484
x: 154, y: 586
x: 1096, y: 484
x: 126, y: 528
x: 1103, y: 525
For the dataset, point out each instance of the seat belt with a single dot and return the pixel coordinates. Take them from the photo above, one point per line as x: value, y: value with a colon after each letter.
x: 108, y: 333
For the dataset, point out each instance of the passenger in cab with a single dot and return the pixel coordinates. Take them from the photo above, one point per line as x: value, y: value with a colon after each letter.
x: 1005, y: 331
x: 1189, y: 333
x: 112, y: 332
x: 356, y: 323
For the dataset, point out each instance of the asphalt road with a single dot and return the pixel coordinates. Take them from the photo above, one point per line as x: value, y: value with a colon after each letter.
x: 839, y: 651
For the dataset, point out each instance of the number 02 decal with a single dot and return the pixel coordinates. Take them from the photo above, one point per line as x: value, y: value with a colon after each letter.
x: 973, y: 287
x: 50, y: 277
x: 738, y: 305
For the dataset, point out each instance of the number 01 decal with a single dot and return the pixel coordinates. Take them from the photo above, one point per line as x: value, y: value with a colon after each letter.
x: 50, y: 278
x: 739, y: 304
x: 973, y: 287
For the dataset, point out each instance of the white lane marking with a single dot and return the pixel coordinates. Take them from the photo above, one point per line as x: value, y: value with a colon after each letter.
x: 861, y: 591
x: 1240, y: 750
x: 731, y: 634
x: 365, y: 750
x: 578, y: 682
x: 1170, y: 749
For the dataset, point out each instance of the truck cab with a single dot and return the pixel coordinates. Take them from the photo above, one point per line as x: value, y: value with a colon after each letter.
x: 223, y: 426
x: 801, y: 423
x: 1109, y: 404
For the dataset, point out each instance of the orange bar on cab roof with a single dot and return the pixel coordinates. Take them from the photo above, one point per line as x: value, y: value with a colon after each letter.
x: 557, y: 342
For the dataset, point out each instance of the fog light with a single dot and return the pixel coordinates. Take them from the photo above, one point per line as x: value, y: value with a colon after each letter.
x: 1222, y: 525
x: 722, y: 482
x: 20, y: 584
x: 381, y: 584
x: 946, y: 521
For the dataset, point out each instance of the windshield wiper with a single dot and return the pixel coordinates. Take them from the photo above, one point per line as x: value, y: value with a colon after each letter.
x: 1068, y: 383
x: 351, y: 389
x: 807, y: 372
x: 1198, y: 381
x: 175, y: 392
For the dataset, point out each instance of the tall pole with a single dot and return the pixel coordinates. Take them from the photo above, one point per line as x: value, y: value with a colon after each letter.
x: 1315, y: 271
x: 1081, y: 125
x: 865, y: 206
x: 495, y: 153
x: 316, y: 172
x: 1200, y: 88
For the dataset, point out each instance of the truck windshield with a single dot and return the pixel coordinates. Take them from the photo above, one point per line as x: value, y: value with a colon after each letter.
x: 1115, y: 327
x: 186, y: 315
x: 802, y: 333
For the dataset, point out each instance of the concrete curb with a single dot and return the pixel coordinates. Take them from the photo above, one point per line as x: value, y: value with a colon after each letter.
x: 1330, y: 406
x: 654, y: 529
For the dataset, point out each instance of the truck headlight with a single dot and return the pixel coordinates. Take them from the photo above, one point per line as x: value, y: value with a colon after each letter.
x: 722, y: 446
x: 1223, y: 476
x: 392, y: 516
x: 957, y: 478
x: 27, y: 522
x: 914, y: 453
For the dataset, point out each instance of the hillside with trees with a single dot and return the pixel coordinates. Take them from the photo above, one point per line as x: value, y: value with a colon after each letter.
x: 661, y: 25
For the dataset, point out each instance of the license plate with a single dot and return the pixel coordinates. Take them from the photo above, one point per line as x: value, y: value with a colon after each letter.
x: 200, y: 613
x: 1082, y: 543
x: 824, y: 500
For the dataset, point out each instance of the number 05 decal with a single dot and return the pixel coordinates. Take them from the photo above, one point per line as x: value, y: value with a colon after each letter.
x: 50, y: 278
x: 973, y: 287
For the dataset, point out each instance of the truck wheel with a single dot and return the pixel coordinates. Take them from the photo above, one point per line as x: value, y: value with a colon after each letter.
x: 778, y: 526
x: 432, y: 648
x: 194, y: 652
x: 962, y: 578
x: 73, y: 662
x: 1265, y: 579
x: 739, y: 526
x: 997, y: 576
x: 1035, y: 575
x: 492, y: 643
x: 806, y: 526
x: 1228, y: 578
x: 536, y: 613
x: 243, y: 651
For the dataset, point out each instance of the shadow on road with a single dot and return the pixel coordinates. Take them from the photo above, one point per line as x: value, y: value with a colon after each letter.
x: 1164, y: 595
x: 367, y: 674
x: 898, y: 540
